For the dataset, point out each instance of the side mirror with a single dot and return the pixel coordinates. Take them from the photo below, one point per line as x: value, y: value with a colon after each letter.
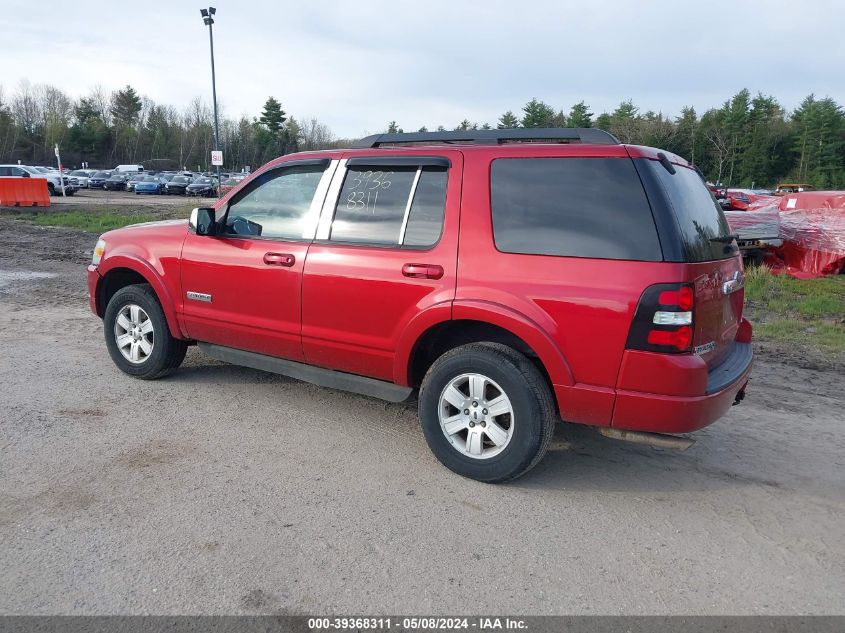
x: 203, y: 222
x: 26, y: 174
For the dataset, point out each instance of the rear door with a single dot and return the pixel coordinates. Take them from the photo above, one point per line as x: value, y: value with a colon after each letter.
x: 386, y: 250
x: 715, y: 264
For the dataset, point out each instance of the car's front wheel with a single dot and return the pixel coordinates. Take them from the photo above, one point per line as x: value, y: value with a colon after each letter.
x: 137, y: 336
x: 486, y: 411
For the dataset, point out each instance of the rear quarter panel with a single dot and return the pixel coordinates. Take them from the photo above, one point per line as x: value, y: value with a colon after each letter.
x: 584, y: 306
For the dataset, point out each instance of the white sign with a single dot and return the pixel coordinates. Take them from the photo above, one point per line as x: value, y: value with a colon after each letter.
x: 216, y: 158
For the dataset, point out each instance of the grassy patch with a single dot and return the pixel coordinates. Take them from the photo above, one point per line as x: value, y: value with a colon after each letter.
x: 803, y: 312
x: 97, y: 221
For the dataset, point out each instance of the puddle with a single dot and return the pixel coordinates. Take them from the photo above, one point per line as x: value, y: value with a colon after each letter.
x: 8, y: 277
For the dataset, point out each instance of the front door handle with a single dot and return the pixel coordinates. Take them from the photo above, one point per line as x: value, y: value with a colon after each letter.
x: 422, y: 271
x: 279, y: 259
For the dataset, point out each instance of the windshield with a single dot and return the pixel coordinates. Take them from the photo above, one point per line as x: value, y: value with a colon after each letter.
x: 150, y: 179
x: 78, y: 172
x: 202, y: 181
x: 100, y: 174
x: 179, y: 179
x: 31, y: 170
x: 43, y: 170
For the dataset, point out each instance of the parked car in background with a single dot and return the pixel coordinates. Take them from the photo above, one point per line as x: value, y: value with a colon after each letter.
x: 512, y: 280
x: 133, y: 180
x: 177, y: 185
x: 740, y: 199
x: 792, y: 187
x: 227, y: 185
x: 81, y: 177
x: 54, y: 178
x: 98, y: 179
x: 202, y: 186
x: 150, y: 184
x: 115, y: 182
x: 128, y: 169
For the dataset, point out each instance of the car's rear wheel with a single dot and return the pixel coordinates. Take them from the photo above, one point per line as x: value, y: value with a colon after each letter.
x: 486, y: 412
x: 137, y: 336
x: 51, y: 189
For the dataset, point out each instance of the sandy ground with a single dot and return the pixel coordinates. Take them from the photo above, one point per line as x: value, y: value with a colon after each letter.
x: 227, y: 490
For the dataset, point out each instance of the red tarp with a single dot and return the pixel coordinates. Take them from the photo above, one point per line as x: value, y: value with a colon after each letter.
x: 811, y: 225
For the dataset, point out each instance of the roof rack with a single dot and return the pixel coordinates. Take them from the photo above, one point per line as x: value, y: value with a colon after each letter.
x: 493, y: 137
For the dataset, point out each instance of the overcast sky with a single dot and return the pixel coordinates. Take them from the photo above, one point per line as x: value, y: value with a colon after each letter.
x: 356, y: 65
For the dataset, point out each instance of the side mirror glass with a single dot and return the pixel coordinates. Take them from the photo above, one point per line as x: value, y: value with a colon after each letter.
x: 202, y: 221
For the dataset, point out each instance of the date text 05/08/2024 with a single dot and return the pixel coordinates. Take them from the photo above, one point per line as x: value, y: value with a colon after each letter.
x: 416, y: 623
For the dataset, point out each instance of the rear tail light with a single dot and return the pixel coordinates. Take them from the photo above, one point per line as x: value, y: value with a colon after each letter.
x: 663, y: 321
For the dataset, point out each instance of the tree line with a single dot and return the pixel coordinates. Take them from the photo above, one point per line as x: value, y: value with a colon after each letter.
x: 104, y: 129
x: 748, y: 141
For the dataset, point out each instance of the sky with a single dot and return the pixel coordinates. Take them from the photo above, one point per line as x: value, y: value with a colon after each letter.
x: 357, y: 65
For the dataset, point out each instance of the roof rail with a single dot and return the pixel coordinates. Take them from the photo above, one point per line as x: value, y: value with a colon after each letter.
x: 493, y: 137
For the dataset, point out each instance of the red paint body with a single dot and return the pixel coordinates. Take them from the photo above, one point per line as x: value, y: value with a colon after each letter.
x: 362, y: 309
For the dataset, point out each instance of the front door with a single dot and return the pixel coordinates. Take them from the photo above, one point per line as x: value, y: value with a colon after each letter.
x: 386, y: 250
x: 241, y: 288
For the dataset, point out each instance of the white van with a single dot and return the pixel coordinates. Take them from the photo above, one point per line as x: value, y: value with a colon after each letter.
x: 128, y: 169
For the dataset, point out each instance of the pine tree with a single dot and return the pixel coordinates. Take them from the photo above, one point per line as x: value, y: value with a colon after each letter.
x: 272, y: 117
x: 624, y: 122
x: 125, y: 106
x: 392, y: 128
x: 580, y: 116
x: 537, y: 114
x: 508, y: 121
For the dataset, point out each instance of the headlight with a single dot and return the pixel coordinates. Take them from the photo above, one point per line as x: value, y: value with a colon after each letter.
x: 99, y: 250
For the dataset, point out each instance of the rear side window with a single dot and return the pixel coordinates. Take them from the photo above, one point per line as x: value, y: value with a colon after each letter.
x: 700, y: 218
x: 572, y: 207
x: 397, y: 206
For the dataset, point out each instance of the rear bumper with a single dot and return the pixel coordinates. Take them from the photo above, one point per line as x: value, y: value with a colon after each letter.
x: 660, y: 413
x: 93, y: 281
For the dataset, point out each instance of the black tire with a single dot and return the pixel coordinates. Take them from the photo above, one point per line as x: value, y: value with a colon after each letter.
x: 167, y: 352
x: 51, y: 189
x: 534, y: 413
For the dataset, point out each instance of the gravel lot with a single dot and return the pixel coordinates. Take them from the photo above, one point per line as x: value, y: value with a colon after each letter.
x: 227, y: 490
x: 100, y: 197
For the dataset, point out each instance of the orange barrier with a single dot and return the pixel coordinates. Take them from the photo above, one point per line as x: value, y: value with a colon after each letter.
x: 24, y: 192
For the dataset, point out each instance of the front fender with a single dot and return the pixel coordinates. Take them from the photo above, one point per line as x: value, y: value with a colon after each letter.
x: 152, y: 277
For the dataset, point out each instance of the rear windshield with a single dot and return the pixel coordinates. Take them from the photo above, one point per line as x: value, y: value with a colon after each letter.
x: 572, y: 207
x: 700, y: 218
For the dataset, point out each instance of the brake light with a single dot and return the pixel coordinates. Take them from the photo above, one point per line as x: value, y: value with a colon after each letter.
x: 663, y: 321
x: 683, y: 298
x: 680, y: 339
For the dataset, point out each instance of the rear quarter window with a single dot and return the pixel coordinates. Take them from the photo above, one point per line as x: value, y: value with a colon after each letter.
x: 572, y: 207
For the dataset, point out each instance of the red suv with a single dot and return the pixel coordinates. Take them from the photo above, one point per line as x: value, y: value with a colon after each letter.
x: 514, y: 277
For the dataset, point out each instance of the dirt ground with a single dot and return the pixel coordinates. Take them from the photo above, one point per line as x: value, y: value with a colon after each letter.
x: 227, y: 490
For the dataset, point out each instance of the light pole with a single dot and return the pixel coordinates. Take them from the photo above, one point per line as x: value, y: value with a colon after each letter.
x: 208, y: 19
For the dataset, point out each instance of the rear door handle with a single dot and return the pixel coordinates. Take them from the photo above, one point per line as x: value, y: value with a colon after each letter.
x: 279, y: 259
x: 422, y: 271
